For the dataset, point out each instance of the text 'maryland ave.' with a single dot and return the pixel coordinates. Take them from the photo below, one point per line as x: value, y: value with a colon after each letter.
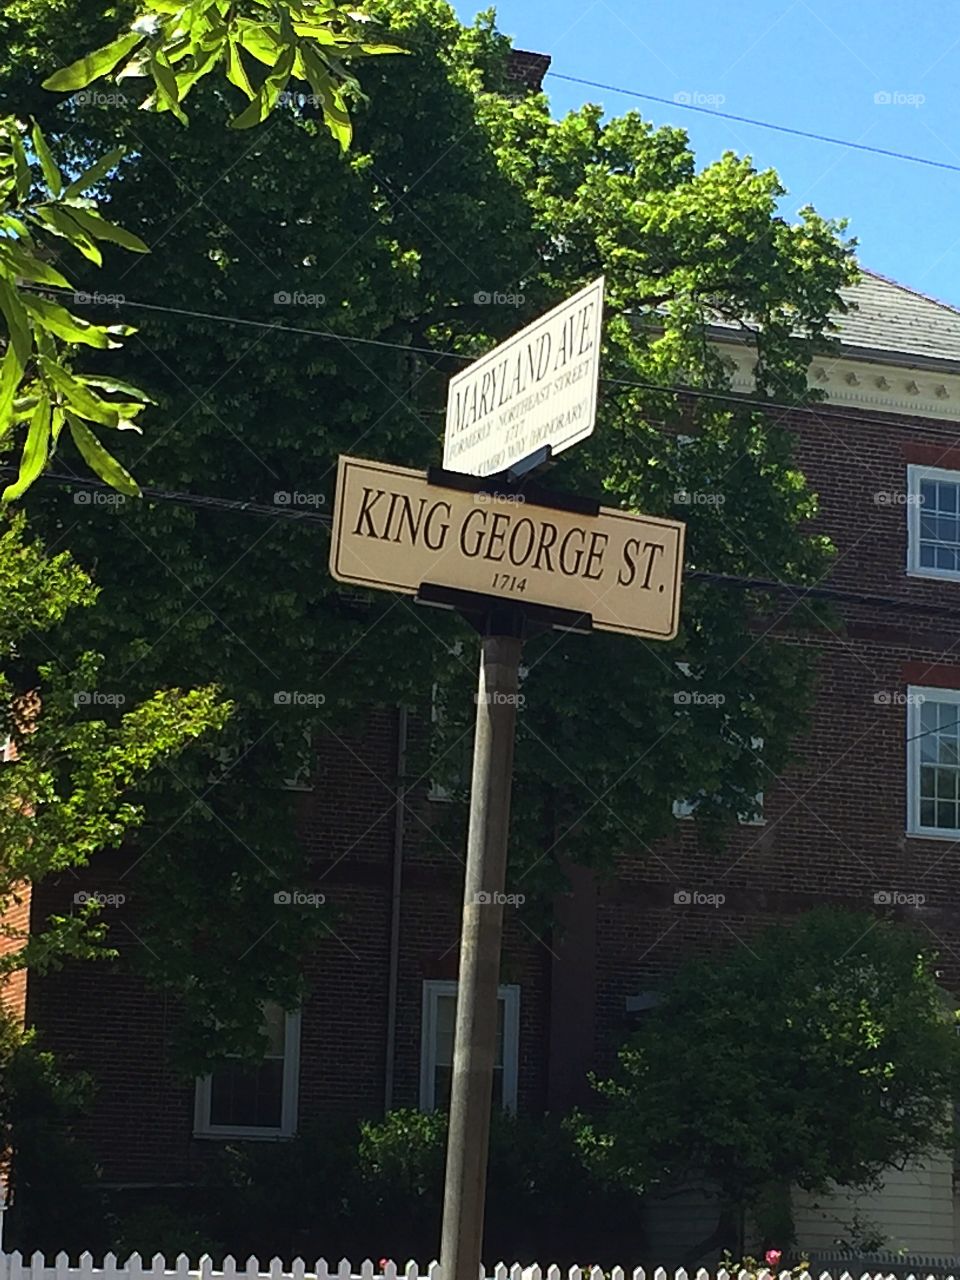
x: 537, y: 388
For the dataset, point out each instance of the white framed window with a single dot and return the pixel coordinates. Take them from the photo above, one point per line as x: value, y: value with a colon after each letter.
x: 933, y: 762
x: 933, y: 522
x: 243, y: 1099
x: 436, y: 1046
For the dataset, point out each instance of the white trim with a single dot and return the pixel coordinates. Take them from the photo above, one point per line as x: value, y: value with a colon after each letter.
x: 916, y: 694
x: 864, y: 384
x: 202, y: 1128
x: 915, y: 474
x: 433, y: 988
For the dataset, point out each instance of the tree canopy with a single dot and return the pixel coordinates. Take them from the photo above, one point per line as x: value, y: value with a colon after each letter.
x: 299, y: 303
x: 821, y: 1052
x: 75, y: 749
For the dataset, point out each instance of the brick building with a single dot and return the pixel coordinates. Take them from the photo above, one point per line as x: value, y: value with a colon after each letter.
x: 867, y: 815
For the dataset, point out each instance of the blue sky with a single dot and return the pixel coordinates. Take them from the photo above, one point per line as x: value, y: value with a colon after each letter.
x: 881, y: 72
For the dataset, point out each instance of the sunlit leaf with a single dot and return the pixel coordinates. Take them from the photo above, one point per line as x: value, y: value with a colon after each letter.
x: 101, y: 229
x: 51, y: 170
x: 104, y: 464
x: 70, y: 328
x: 18, y: 325
x: 93, y: 65
x: 90, y: 177
x: 36, y: 449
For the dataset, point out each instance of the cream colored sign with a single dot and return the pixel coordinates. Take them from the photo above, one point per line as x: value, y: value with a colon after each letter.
x: 394, y: 531
x: 537, y: 388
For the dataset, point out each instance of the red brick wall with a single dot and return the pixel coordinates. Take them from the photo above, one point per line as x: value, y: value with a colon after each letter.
x: 13, y: 989
x: 834, y: 831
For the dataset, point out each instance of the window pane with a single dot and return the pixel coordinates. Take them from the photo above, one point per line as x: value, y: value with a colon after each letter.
x: 248, y: 1096
x: 443, y: 1082
x: 928, y: 813
x: 946, y: 816
x: 446, y: 1025
x: 444, y: 1028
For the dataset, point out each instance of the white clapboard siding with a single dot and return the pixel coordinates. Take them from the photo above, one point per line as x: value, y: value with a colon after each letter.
x: 914, y: 1211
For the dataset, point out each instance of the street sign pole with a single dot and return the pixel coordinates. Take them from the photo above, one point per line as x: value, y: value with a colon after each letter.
x: 479, y: 979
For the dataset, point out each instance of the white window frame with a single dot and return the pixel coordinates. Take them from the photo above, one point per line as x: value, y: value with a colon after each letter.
x: 433, y: 989
x: 202, y: 1128
x: 915, y: 474
x: 916, y: 694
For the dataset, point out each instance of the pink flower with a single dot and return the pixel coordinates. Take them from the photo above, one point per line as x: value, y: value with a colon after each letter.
x: 772, y: 1257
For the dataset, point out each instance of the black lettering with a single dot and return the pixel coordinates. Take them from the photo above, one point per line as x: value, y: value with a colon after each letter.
x: 543, y: 546
x: 366, y: 506
x: 655, y: 549
x: 498, y: 525
x: 564, y: 546
x: 586, y: 338
x: 465, y: 529
x: 527, y: 526
x: 630, y: 549
x: 406, y: 513
x: 595, y: 553
x: 444, y: 528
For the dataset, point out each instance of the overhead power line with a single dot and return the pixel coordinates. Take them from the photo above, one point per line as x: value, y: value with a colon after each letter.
x: 760, y: 124
x: 240, y: 506
x: 347, y: 340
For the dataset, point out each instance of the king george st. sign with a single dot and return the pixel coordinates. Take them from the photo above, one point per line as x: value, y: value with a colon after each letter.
x: 394, y: 531
x: 538, y: 388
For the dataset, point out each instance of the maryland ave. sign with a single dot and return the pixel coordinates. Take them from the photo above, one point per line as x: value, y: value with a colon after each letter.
x: 537, y: 388
x: 394, y: 531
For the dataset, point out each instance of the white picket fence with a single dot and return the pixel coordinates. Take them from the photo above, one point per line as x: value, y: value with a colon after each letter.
x: 13, y: 1266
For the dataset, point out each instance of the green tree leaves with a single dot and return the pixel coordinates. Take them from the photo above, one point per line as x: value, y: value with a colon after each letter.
x: 177, y: 45
x: 823, y: 1052
x: 65, y: 793
x: 38, y: 384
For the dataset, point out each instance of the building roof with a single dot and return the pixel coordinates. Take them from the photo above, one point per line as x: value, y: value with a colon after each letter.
x: 891, y: 322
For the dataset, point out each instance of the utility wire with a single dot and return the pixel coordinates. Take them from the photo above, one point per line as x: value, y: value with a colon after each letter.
x: 329, y: 335
x: 734, y: 581
x: 760, y: 124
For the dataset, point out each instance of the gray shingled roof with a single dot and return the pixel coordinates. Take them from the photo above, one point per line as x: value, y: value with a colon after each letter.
x: 890, y: 320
